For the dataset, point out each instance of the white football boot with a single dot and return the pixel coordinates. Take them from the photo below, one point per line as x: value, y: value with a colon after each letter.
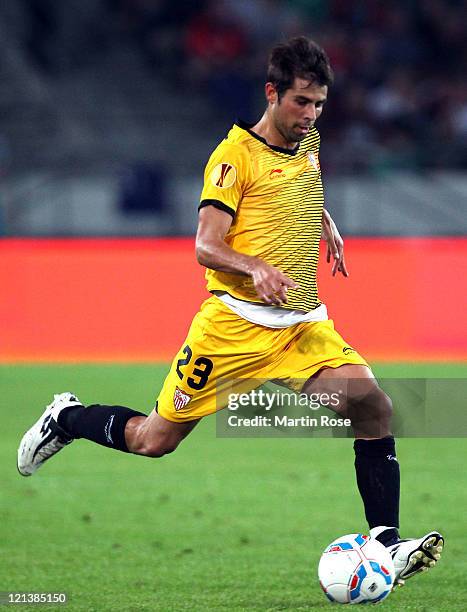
x: 45, y: 438
x: 418, y: 555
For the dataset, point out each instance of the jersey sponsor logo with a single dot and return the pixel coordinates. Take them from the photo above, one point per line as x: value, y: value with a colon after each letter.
x: 223, y: 175
x: 181, y: 398
x: 276, y: 173
x: 313, y: 160
x: 347, y: 350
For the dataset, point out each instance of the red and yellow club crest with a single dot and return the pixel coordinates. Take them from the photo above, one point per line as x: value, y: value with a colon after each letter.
x: 181, y: 398
x: 314, y: 161
x: 224, y: 175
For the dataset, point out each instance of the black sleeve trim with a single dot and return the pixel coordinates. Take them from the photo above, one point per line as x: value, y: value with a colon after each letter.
x: 217, y: 204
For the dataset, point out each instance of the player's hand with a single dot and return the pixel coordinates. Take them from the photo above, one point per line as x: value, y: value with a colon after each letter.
x: 335, y: 245
x: 271, y: 285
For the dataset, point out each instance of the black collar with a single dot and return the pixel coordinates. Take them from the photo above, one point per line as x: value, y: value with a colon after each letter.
x: 247, y: 127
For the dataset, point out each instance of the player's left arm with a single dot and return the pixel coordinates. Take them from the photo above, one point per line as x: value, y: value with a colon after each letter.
x: 335, y: 245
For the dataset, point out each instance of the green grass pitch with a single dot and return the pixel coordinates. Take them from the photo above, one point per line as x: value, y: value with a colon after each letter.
x: 221, y: 524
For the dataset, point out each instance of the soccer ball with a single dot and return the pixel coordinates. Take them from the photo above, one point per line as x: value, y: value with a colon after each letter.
x: 356, y: 569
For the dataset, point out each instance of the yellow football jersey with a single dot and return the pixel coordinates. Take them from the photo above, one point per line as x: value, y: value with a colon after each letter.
x: 275, y: 197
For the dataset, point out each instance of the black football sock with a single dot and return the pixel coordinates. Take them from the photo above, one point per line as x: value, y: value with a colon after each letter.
x: 386, y: 535
x: 102, y: 424
x: 378, y: 480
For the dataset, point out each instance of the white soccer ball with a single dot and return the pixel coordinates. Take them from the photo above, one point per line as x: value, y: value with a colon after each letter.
x: 356, y: 569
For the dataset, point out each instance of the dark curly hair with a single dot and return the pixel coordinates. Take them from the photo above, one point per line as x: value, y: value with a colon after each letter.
x: 299, y: 57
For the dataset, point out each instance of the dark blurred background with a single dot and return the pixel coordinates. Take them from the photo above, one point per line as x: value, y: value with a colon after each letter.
x: 109, y: 109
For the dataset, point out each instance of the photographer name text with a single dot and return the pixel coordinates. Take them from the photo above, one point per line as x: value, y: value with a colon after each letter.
x: 285, y: 421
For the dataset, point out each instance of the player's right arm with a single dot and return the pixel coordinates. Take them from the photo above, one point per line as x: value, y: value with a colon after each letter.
x: 213, y: 252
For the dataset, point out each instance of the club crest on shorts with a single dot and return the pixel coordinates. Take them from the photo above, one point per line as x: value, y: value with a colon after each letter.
x: 313, y: 160
x: 223, y: 175
x: 181, y: 399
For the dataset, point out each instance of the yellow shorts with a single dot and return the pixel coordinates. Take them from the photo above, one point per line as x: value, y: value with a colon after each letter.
x: 222, y: 345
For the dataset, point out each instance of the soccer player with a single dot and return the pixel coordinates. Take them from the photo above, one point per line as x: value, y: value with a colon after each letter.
x: 261, y: 219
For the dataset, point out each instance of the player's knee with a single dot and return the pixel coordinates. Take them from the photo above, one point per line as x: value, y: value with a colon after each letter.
x: 378, y: 406
x: 384, y: 405
x: 374, y: 407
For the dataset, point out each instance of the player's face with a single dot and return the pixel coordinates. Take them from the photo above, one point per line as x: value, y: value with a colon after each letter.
x: 298, y: 109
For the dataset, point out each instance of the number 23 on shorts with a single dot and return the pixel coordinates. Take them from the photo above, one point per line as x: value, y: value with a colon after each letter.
x: 198, y: 371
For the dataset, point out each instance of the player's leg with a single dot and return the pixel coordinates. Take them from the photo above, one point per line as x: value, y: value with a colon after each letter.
x: 376, y: 465
x: 377, y: 469
x: 117, y: 427
x: 124, y: 429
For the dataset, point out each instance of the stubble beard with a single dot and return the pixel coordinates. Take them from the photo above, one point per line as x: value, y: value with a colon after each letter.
x: 289, y: 135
